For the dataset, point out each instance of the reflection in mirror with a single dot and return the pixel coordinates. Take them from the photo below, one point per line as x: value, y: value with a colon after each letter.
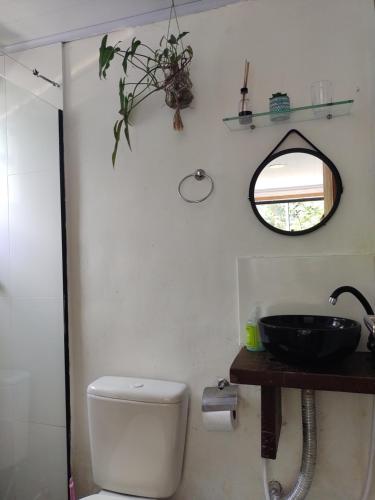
x: 295, y: 191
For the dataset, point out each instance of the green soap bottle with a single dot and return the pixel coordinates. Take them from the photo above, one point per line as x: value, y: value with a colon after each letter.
x: 253, y: 341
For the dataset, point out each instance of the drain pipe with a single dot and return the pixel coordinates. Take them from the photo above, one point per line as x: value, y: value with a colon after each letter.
x: 273, y: 489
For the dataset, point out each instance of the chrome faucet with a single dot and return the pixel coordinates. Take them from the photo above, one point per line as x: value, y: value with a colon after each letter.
x: 369, y: 319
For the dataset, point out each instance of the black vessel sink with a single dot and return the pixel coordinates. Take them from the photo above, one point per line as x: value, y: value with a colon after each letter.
x: 306, y: 339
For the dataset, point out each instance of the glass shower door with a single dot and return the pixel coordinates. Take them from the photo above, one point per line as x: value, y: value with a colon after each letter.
x: 33, y: 451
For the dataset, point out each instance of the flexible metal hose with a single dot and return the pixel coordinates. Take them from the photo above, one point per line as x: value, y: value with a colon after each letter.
x: 306, y: 474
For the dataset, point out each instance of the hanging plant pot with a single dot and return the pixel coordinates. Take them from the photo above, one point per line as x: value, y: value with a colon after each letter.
x: 178, y: 95
x: 165, y: 68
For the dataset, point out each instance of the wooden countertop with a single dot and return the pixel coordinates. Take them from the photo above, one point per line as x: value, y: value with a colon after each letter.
x: 356, y: 373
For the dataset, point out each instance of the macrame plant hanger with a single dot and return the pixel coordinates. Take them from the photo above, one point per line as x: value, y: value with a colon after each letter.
x: 178, y: 88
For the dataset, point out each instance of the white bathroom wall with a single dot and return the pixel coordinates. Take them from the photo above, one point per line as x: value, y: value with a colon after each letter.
x: 153, y: 280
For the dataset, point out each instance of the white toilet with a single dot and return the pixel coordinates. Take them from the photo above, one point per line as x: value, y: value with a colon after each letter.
x: 137, y: 435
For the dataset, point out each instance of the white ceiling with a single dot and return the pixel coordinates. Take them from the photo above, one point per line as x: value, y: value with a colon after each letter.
x: 32, y: 23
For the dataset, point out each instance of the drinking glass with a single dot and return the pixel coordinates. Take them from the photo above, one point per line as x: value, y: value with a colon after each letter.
x: 321, y: 93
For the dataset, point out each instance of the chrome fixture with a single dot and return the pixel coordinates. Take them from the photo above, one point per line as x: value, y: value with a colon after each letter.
x: 223, y: 397
x: 39, y: 75
x: 370, y: 323
x: 198, y: 175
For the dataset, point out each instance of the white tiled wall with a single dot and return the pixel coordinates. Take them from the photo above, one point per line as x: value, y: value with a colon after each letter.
x: 38, y: 347
x: 32, y: 372
x: 40, y: 151
x: 35, y: 234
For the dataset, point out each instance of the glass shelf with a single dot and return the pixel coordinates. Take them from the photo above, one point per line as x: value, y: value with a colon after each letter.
x: 327, y: 111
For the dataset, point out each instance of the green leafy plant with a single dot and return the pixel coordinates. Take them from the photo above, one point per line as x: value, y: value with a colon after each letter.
x: 165, y: 68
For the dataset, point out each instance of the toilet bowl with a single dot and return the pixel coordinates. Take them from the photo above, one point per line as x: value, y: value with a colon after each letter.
x: 137, y: 431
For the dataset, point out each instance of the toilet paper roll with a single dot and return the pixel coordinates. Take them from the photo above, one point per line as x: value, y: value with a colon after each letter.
x: 223, y: 421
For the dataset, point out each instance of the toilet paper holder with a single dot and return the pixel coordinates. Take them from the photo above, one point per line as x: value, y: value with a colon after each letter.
x: 223, y: 397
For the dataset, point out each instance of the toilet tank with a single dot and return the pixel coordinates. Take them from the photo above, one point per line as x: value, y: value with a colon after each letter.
x: 137, y: 434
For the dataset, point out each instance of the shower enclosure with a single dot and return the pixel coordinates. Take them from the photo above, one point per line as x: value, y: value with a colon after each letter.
x: 33, y: 314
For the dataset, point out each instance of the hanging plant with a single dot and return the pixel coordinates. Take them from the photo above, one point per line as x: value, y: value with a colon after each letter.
x: 165, y: 68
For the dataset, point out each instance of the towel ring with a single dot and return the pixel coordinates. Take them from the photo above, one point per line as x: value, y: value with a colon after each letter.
x: 198, y: 175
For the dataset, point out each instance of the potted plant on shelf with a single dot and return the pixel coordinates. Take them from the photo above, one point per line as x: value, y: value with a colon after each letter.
x: 165, y: 68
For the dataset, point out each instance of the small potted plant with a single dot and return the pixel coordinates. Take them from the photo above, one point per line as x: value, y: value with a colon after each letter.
x: 279, y: 106
x: 165, y: 68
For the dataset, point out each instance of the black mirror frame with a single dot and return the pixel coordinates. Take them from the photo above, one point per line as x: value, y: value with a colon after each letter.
x: 313, y: 152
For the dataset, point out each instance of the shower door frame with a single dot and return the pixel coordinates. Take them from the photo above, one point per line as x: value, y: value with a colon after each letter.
x: 65, y: 294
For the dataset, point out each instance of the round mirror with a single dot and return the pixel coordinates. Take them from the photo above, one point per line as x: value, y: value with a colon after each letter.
x: 295, y: 191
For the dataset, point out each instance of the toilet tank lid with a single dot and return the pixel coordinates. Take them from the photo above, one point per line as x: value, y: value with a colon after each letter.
x: 113, y: 496
x: 138, y: 389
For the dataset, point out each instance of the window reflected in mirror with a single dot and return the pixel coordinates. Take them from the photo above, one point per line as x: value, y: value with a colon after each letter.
x: 295, y: 191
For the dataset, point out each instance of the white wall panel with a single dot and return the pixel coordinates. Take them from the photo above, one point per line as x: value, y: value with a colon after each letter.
x: 153, y: 280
